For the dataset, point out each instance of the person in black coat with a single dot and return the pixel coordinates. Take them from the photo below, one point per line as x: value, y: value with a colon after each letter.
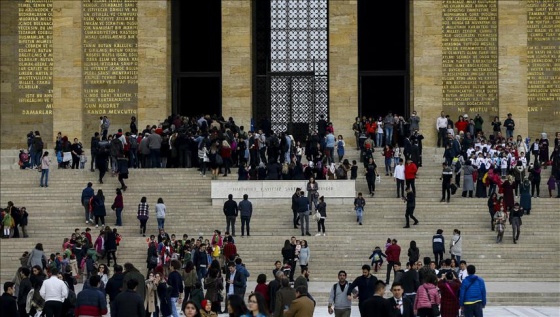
x: 128, y: 303
x: 8, y: 304
x: 110, y: 243
x: 400, y: 306
x: 376, y: 306
x: 115, y: 284
x: 366, y: 285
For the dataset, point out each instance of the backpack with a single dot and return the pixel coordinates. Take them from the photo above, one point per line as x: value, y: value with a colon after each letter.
x: 105, y: 124
x: 133, y: 141
x: 71, y: 299
x: 340, y: 172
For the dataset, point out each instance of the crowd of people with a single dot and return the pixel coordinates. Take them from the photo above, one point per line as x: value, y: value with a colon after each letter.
x: 201, y: 274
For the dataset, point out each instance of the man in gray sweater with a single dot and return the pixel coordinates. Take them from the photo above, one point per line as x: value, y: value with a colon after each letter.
x: 246, y: 211
x: 338, y: 299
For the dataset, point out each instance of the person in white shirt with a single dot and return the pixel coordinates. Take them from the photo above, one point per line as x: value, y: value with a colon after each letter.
x: 399, y: 178
x: 441, y: 127
x: 54, y: 291
x: 463, y: 270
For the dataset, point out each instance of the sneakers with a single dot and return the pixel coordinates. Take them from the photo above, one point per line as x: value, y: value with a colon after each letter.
x: 96, y: 226
x: 324, y: 234
x: 360, y: 223
x: 87, y: 222
x: 318, y: 234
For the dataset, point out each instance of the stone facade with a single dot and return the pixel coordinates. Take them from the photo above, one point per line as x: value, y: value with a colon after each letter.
x: 532, y: 111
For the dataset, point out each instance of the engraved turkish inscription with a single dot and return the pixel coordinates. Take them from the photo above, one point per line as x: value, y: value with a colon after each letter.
x: 110, y: 57
x: 35, y: 57
x: 470, y: 56
x: 543, y: 59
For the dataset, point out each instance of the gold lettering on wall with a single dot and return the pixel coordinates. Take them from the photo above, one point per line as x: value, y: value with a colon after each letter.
x: 35, y: 57
x: 470, y: 57
x: 543, y: 59
x: 110, y: 57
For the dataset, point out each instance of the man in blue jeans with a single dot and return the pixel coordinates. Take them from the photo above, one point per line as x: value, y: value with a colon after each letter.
x: 388, y: 127
x: 176, y: 282
x: 472, y: 298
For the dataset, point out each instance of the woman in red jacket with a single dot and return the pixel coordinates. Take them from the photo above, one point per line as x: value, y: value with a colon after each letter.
x: 449, y: 287
x: 461, y: 125
x: 225, y: 152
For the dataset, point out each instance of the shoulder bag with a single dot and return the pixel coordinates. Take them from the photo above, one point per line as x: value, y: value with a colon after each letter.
x: 435, y: 307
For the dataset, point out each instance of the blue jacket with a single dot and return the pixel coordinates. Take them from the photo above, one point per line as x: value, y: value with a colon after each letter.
x: 438, y: 243
x: 472, y: 289
x: 87, y: 193
x: 243, y: 272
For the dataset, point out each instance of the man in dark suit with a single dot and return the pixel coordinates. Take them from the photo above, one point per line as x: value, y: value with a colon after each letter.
x: 234, y: 280
x: 376, y: 306
x: 400, y: 306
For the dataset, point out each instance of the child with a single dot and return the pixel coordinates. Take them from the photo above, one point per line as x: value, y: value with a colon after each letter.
x: 551, y: 185
x: 83, y: 161
x: 340, y: 148
x: 500, y: 224
x: 354, y: 170
x: 387, y: 243
x: 287, y: 268
x: 377, y: 258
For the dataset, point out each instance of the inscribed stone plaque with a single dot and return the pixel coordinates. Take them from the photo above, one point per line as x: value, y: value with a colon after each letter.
x: 110, y: 62
x: 543, y: 59
x: 470, y: 58
x: 29, y: 69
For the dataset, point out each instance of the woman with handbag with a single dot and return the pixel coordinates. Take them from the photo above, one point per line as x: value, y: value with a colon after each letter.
x: 426, y: 303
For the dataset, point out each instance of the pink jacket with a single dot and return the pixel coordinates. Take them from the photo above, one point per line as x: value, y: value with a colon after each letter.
x: 422, y: 300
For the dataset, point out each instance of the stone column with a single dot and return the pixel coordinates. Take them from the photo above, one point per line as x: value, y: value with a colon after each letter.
x: 512, y: 59
x: 154, y: 62
x: 237, y: 61
x: 343, y: 67
x: 67, y: 71
x: 427, y: 73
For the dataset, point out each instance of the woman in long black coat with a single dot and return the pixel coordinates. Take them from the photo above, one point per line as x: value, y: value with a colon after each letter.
x: 99, y: 210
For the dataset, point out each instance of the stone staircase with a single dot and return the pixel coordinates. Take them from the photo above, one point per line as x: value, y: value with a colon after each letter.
x: 55, y: 212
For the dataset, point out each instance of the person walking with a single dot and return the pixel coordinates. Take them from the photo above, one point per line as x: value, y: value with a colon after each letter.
x: 410, y: 206
x: 427, y: 296
x: 246, y: 211
x: 295, y: 207
x: 118, y: 206
x: 143, y: 215
x: 393, y: 253
x: 449, y: 287
x: 472, y: 296
x: 410, y: 170
x: 302, y: 306
x: 399, y: 178
x: 54, y: 291
x: 515, y: 219
x: 87, y: 194
x: 359, y: 203
x: 304, y: 205
x: 90, y: 301
x: 98, y: 206
x: 365, y: 284
x: 160, y: 213
x: 231, y: 211
x: 45, y: 164
x: 175, y: 280
x: 322, y: 210
x: 129, y: 303
x: 342, y: 304
x: 376, y: 305
x: 456, y: 247
x: 8, y: 303
x: 446, y: 176
x: 312, y: 194
x: 122, y: 167
x: 438, y: 246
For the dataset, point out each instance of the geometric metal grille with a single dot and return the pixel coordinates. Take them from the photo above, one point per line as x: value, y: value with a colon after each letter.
x: 298, y: 78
